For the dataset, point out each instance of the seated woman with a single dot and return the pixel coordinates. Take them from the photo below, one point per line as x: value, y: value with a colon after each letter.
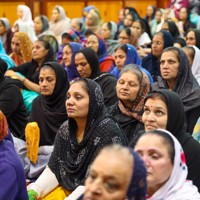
x: 123, y: 167
x: 42, y: 52
x: 21, y: 46
x: 78, y: 140
x: 192, y: 37
x: 51, y: 106
x: 6, y: 34
x: 166, y: 168
x: 68, y: 56
x: 177, y: 76
x: 98, y: 45
x: 12, y: 178
x: 11, y: 102
x: 132, y: 87
x: 164, y: 109
x: 109, y: 33
x: 126, y: 54
x: 87, y: 65
x: 160, y: 41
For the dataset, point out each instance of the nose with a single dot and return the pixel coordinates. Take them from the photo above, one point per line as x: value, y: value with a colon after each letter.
x: 150, y: 117
x: 145, y: 158
x: 95, y: 187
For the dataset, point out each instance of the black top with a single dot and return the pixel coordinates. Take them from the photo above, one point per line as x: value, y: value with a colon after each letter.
x: 51, y: 108
x: 70, y: 160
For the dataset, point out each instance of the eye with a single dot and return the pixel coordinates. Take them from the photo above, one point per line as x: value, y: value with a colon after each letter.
x: 171, y: 62
x: 159, y: 112
x: 155, y: 156
x: 120, y: 81
x: 146, y: 111
x: 78, y: 97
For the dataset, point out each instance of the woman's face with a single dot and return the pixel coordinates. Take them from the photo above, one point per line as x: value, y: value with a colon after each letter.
x: 77, y: 103
x: 155, y: 154
x: 55, y: 15
x: 150, y: 11
x: 19, y: 13
x: 108, y: 179
x: 105, y: 32
x: 137, y: 28
x: 124, y: 38
x: 67, y: 55
x: 93, y: 43
x: 169, y: 66
x: 2, y: 28
x: 38, y: 51
x: 120, y: 58
x: 128, y: 87
x: 183, y: 15
x: 158, y: 16
x: 82, y: 66
x: 15, y: 45
x: 155, y: 114
x: 89, y: 19
x: 190, y: 38
x: 157, y: 45
x: 74, y: 25
x: 128, y: 20
x: 38, y: 25
x: 47, y: 81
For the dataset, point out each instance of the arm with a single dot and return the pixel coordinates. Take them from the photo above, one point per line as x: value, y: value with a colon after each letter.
x: 46, y: 182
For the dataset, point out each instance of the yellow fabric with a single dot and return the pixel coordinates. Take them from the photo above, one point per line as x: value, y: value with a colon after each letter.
x: 58, y: 194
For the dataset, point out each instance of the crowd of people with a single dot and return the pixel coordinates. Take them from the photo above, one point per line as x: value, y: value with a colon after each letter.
x: 117, y: 105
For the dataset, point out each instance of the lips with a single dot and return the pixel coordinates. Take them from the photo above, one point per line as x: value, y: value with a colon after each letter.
x: 124, y: 93
x: 150, y: 127
x: 70, y: 110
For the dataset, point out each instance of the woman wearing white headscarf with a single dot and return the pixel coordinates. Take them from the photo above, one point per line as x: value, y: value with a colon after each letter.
x: 59, y: 23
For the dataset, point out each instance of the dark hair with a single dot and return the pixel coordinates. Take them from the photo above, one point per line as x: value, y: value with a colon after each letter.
x: 141, y: 24
x: 180, y: 41
x: 191, y: 50
x: 167, y: 140
x: 128, y: 31
x: 109, y: 25
x: 83, y: 83
x: 156, y: 95
x: 67, y: 36
x: 174, y: 50
x: 123, y: 47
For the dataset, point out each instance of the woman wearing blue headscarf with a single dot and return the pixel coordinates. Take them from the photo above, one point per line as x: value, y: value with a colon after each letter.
x: 124, y: 55
x: 161, y: 40
x: 68, y: 55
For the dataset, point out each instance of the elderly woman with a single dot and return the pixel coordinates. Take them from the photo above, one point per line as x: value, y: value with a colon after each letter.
x: 59, y: 22
x: 124, y: 168
x: 78, y: 140
x: 6, y: 34
x: 132, y: 87
x: 160, y: 41
x: 29, y: 72
x: 126, y: 54
x: 21, y: 46
x: 68, y: 57
x: 164, y: 109
x: 109, y: 33
x: 51, y: 106
x: 98, y: 45
x: 177, y: 76
x: 166, y: 167
x: 12, y: 177
x: 87, y: 65
x: 41, y: 26
x: 193, y: 37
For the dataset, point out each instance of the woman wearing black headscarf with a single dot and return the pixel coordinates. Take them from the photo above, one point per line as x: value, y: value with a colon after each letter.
x: 193, y: 37
x: 164, y: 109
x: 11, y: 102
x: 177, y: 76
x: 79, y: 139
x: 87, y: 65
x: 160, y: 41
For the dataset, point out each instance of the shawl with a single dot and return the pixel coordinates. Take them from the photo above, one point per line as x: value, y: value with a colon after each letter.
x: 70, y: 160
x: 25, y: 44
x: 176, y: 187
x: 138, y: 184
x: 196, y: 64
x: 60, y: 26
x: 186, y: 85
x: 51, y: 108
x: 113, y: 30
x: 138, y: 104
x: 176, y: 124
x: 71, y: 70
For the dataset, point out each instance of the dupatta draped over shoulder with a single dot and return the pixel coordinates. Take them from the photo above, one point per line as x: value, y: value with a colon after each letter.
x: 70, y: 160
